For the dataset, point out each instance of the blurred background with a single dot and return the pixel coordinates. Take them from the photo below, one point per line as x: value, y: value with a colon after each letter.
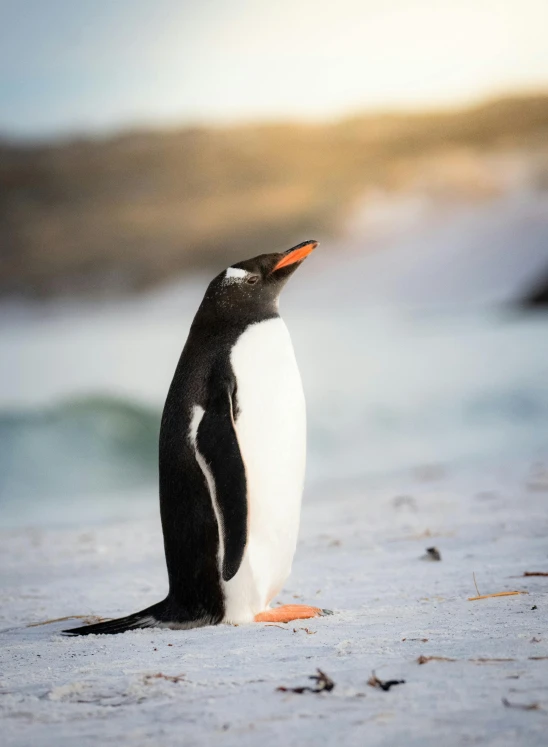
x: 146, y: 146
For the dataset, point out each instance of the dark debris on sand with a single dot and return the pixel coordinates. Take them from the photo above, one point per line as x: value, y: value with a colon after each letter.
x: 432, y: 553
x: 385, y: 685
x: 323, y: 684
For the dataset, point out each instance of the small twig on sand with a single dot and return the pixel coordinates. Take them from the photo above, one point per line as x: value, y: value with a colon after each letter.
x: 478, y: 660
x: 535, y: 573
x: 273, y: 625
x: 497, y: 594
x: 422, y: 640
x: 521, y: 706
x: 486, y: 660
x: 323, y: 683
x: 374, y: 681
x: 91, y: 618
x: 426, y: 659
x: 170, y: 678
x: 475, y: 584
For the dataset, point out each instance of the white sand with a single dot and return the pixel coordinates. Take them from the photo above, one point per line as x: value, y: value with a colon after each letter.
x: 359, y: 555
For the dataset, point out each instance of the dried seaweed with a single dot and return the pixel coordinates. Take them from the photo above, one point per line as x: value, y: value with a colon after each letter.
x: 385, y: 685
x: 323, y: 684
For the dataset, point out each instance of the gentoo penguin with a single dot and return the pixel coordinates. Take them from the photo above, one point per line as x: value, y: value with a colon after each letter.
x: 232, y: 458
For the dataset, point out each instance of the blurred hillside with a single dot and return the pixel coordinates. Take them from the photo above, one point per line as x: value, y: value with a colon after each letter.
x: 124, y: 213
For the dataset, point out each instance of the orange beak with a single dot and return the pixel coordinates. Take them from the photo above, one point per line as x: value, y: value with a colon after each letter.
x: 296, y: 255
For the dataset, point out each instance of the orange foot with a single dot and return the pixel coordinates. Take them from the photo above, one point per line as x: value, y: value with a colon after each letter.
x: 288, y: 612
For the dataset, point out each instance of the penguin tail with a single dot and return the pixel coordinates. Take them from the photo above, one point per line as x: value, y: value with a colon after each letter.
x: 145, y: 619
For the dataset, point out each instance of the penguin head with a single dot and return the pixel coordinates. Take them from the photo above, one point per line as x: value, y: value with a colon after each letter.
x: 252, y: 287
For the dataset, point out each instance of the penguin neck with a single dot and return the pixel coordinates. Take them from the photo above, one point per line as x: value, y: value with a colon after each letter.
x: 222, y: 327
x: 222, y: 318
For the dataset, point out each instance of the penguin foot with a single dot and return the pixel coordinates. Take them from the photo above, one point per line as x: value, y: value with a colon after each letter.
x: 288, y: 612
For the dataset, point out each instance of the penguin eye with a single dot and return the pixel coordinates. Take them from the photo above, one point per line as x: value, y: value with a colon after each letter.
x: 252, y: 279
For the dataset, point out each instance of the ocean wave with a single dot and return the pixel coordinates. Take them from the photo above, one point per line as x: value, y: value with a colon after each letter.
x: 99, y: 445
x: 79, y: 446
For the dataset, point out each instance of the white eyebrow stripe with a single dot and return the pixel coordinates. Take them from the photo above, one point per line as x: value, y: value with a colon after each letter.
x: 235, y: 272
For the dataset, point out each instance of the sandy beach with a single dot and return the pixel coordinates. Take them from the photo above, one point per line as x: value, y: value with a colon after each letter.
x: 360, y: 554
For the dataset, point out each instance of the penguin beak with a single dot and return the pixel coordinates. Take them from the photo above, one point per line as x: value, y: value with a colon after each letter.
x: 296, y: 254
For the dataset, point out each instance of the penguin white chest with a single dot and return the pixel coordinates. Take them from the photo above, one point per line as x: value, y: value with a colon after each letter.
x: 271, y: 429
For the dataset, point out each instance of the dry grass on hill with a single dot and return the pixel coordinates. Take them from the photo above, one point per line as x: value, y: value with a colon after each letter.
x: 127, y: 212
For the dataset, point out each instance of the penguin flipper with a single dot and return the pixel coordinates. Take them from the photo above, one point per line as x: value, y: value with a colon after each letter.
x: 217, y: 442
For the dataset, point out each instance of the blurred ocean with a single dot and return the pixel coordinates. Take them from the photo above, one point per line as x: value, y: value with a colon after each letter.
x: 412, y: 354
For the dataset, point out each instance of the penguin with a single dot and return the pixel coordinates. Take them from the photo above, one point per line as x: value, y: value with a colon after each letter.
x: 232, y: 455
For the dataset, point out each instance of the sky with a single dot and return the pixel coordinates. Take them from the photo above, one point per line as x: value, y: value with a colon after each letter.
x: 71, y: 66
